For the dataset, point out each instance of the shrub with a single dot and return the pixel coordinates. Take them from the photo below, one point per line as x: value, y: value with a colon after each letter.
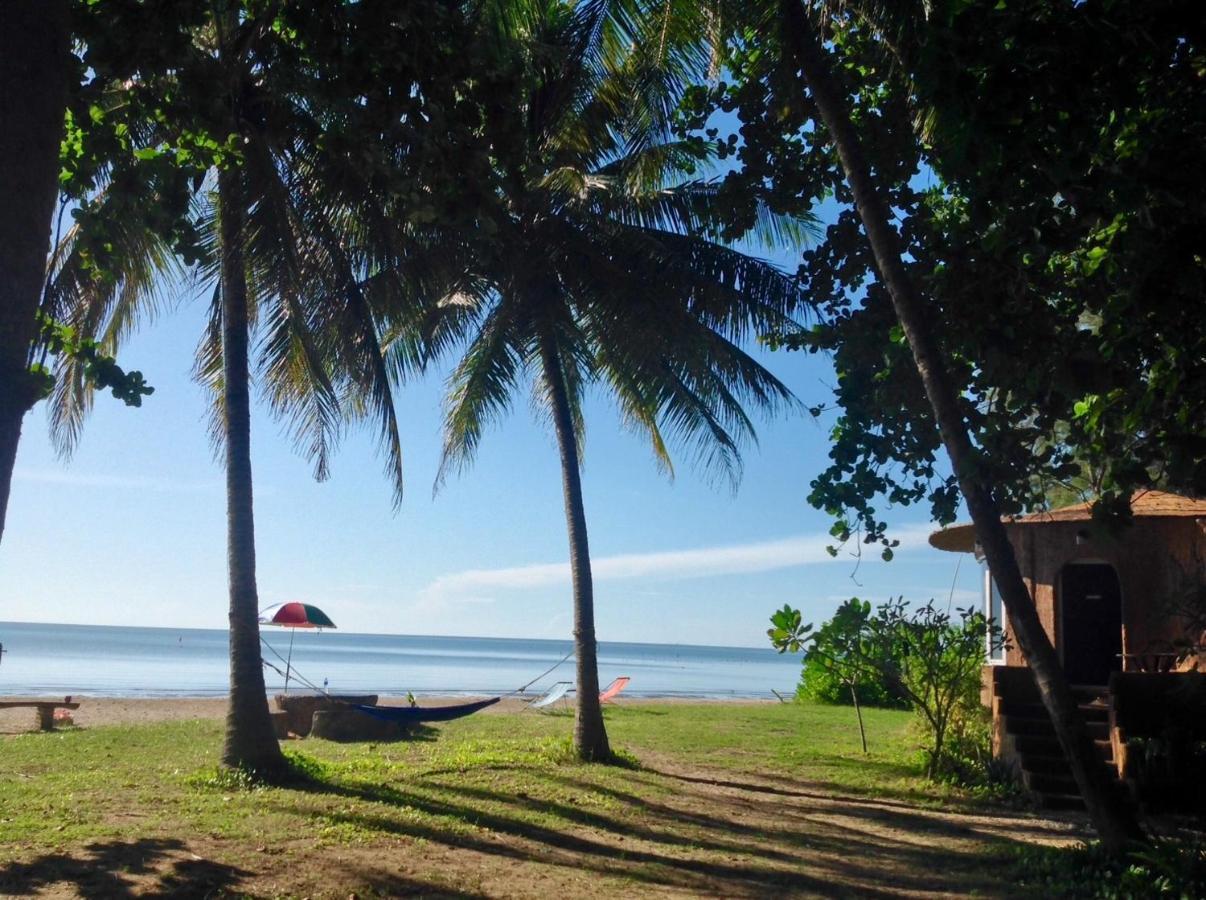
x: 819, y: 682
x: 926, y: 655
x: 1165, y: 869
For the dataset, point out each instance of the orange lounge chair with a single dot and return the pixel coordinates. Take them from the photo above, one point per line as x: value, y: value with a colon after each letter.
x: 614, y: 688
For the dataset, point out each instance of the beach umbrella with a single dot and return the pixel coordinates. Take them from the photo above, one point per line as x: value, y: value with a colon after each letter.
x: 296, y: 615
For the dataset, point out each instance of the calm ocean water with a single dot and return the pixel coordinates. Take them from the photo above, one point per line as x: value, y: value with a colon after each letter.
x: 164, y: 662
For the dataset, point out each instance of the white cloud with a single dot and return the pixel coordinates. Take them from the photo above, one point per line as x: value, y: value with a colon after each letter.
x: 666, y: 565
x: 120, y: 482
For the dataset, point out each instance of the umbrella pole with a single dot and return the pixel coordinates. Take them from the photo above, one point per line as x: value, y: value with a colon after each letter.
x: 289, y: 661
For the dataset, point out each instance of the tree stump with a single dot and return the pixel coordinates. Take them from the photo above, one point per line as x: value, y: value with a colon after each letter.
x: 300, y: 708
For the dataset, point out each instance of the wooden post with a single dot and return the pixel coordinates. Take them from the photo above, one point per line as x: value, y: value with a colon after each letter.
x: 858, y: 711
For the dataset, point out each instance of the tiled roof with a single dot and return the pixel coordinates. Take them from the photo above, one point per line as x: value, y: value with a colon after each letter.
x: 1144, y: 504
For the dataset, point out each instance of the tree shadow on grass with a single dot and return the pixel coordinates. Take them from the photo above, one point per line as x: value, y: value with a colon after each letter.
x: 697, y: 841
x: 879, y: 790
x: 166, y: 868
x: 150, y: 867
x: 785, y: 788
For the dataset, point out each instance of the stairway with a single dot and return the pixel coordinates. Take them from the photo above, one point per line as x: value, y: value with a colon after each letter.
x: 1025, y: 726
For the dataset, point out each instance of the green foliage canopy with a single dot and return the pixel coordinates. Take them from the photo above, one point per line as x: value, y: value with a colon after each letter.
x: 1041, y: 158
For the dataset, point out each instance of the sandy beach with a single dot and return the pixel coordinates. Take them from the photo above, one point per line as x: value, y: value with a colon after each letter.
x: 101, y: 711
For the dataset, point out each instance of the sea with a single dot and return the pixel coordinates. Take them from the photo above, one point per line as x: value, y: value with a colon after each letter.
x: 106, y: 661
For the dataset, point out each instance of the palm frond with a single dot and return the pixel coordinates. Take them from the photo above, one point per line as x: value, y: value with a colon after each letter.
x: 698, y: 207
x: 480, y: 387
x: 288, y: 278
x: 208, y: 372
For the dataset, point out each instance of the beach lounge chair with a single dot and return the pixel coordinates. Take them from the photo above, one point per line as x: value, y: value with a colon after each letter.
x: 555, y: 693
x: 614, y: 688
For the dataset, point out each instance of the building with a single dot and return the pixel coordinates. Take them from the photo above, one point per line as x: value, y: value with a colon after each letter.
x: 1126, y: 612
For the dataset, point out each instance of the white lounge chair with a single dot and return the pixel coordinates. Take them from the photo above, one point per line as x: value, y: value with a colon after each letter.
x: 555, y: 693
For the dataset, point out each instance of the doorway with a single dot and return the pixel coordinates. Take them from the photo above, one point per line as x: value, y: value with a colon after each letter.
x: 1091, y: 614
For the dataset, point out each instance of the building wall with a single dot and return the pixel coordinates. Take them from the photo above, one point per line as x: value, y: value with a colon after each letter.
x: 1153, y: 558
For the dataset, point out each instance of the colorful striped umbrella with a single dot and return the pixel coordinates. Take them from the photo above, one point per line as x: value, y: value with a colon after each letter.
x: 296, y: 615
x: 299, y: 615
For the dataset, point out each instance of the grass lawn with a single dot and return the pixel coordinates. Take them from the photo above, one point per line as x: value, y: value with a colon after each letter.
x: 717, y: 800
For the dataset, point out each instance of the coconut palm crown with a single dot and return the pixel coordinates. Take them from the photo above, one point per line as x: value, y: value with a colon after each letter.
x: 281, y: 247
x: 604, y: 271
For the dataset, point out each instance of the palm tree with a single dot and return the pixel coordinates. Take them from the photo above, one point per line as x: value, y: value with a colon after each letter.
x: 273, y: 251
x: 694, y: 27
x: 600, y: 270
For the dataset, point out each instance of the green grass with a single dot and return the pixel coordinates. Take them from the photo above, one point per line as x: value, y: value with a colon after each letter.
x: 476, y: 784
x: 87, y: 784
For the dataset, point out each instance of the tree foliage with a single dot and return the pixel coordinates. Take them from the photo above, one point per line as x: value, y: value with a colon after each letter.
x: 831, y: 671
x: 1039, y: 157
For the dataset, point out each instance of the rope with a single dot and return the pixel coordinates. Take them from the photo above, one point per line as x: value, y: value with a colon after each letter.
x: 295, y: 674
x: 545, y: 672
x: 950, y: 600
x: 301, y: 678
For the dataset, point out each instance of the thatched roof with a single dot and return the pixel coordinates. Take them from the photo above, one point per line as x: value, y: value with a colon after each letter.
x: 1144, y: 504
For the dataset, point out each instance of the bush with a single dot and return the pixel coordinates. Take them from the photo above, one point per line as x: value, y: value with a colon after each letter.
x: 1166, y: 869
x: 819, y: 682
x: 927, y: 655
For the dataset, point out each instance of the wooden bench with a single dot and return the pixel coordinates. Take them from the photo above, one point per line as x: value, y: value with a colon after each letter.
x: 45, y: 709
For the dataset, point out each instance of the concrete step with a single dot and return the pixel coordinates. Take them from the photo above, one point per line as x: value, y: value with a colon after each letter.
x: 1032, y: 726
x: 1038, y: 745
x: 1061, y: 801
x: 1043, y: 763
x: 1034, y: 710
x: 1046, y: 746
x: 1028, y: 693
x: 1055, y: 785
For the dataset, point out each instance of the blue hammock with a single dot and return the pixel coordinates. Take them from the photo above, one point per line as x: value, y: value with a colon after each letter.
x: 426, y: 713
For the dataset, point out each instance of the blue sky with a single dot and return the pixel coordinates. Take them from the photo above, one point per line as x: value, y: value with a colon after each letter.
x: 132, y: 531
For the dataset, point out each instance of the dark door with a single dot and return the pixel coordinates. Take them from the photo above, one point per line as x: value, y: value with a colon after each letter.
x: 1091, y: 599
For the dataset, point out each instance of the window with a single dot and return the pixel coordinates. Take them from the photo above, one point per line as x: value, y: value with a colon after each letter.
x: 994, y: 608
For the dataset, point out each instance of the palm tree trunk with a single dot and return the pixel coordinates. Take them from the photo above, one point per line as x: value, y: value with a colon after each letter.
x: 590, y: 735
x: 250, y: 740
x: 33, y: 100
x: 1115, y: 822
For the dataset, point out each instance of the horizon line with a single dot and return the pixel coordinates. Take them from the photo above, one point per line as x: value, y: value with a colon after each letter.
x: 562, y: 641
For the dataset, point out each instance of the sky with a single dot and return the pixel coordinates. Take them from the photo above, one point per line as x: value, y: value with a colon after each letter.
x: 131, y: 530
